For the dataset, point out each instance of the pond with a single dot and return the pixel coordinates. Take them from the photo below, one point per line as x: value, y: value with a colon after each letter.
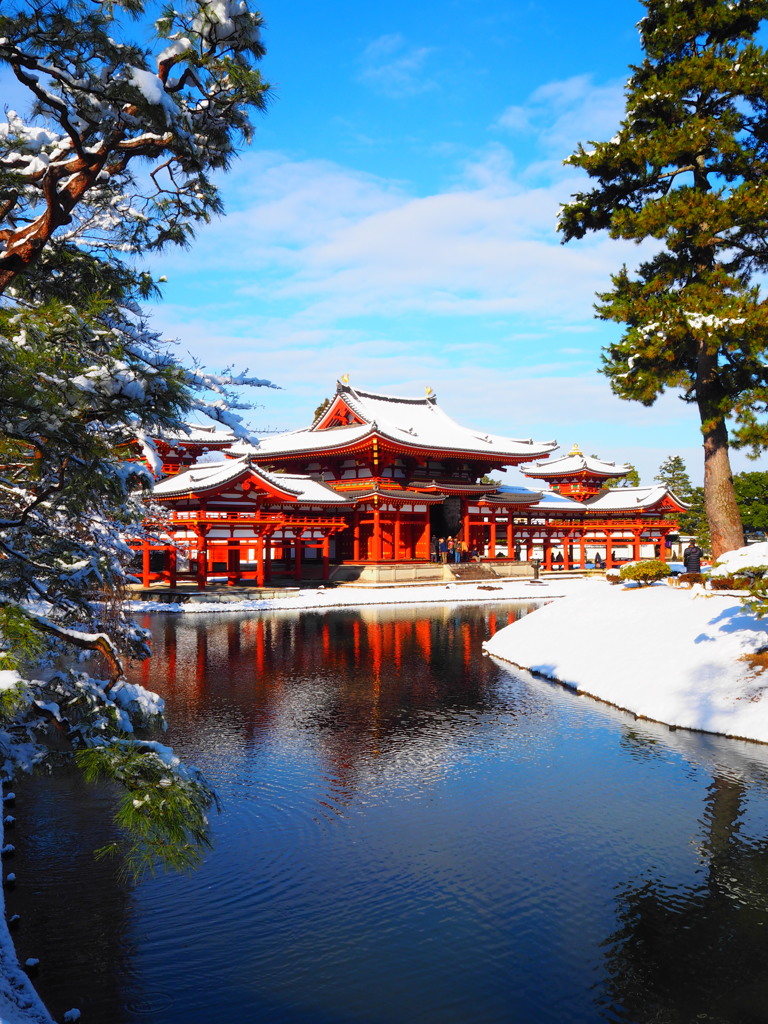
x: 409, y: 832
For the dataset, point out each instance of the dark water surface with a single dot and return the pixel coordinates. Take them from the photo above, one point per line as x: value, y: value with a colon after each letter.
x: 410, y: 832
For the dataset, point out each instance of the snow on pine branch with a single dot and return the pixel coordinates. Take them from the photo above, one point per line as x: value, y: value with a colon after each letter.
x: 98, y: 104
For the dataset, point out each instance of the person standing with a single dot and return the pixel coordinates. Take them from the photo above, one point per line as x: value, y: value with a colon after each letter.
x: 442, y: 547
x: 692, y: 556
x: 434, y: 547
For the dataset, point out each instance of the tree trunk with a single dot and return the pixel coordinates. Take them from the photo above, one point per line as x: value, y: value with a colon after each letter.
x: 723, y: 514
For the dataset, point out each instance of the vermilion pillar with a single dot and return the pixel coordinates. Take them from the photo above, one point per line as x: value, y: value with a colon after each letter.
x: 145, y: 562
x: 326, y: 549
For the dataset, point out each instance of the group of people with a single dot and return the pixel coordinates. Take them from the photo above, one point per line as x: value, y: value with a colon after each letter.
x: 452, y: 549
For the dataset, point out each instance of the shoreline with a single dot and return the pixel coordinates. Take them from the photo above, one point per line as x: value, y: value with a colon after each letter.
x: 319, y: 598
x: 685, y: 659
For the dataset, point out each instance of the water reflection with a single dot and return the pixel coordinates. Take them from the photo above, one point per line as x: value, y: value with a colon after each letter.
x: 697, y: 951
x: 371, y: 691
x: 412, y: 832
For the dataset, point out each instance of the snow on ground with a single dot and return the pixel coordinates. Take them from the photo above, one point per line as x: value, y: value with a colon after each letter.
x: 352, y: 597
x: 749, y: 557
x: 19, y: 1003
x: 679, y: 656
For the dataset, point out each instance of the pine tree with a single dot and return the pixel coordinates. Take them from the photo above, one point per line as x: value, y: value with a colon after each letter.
x: 752, y: 496
x: 630, y: 479
x: 688, y: 171
x: 82, y: 377
x: 120, y: 145
x: 674, y: 475
x: 694, y: 522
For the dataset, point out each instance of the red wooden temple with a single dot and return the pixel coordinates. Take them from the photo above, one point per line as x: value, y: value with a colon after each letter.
x: 369, y: 483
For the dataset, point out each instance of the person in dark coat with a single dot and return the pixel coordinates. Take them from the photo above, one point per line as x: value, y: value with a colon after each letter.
x: 692, y: 557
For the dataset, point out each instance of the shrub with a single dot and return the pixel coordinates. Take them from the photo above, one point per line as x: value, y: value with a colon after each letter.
x: 645, y: 573
x: 737, y: 583
x: 689, y: 578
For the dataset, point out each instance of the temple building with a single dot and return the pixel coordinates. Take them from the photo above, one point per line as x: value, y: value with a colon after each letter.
x: 364, y: 489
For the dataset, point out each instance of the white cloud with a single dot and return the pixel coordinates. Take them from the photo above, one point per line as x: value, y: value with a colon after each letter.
x: 335, y: 243
x: 321, y: 269
x: 394, y: 68
x: 562, y: 113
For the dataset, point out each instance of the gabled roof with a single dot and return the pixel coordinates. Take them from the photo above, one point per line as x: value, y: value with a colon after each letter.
x: 633, y: 499
x: 411, y: 422
x: 215, y: 476
x: 575, y: 463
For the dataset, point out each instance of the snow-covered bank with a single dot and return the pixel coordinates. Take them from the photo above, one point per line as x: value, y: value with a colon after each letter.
x: 682, y: 657
x: 19, y: 1003
x: 351, y: 597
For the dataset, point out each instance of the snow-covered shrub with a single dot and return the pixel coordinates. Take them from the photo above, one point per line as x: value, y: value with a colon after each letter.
x: 645, y: 573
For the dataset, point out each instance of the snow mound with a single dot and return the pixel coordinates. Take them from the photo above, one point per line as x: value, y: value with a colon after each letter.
x: 752, y: 556
x: 687, y: 658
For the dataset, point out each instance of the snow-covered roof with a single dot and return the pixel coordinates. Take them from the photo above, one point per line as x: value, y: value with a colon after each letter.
x: 576, y: 463
x: 508, y: 495
x: 393, y: 494
x: 308, y: 440
x: 553, y: 502
x: 630, y: 499
x: 197, y: 433
x: 415, y: 422
x: 215, y: 475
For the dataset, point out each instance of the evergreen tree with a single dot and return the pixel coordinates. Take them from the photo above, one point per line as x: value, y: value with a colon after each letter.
x: 674, y: 475
x: 82, y: 378
x: 694, y: 522
x: 630, y: 479
x: 321, y: 409
x: 752, y: 496
x: 119, y: 146
x: 688, y: 168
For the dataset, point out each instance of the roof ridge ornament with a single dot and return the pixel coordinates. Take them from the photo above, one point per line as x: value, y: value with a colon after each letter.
x: 576, y: 450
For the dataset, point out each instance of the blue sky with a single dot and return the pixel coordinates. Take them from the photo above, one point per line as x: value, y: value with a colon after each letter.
x: 394, y: 219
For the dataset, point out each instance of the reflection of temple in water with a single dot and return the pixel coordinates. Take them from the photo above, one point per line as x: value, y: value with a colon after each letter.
x: 361, y: 682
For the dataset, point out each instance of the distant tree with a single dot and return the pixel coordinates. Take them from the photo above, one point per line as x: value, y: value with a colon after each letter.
x: 688, y: 171
x: 694, y: 522
x: 632, y: 478
x: 674, y: 475
x: 321, y: 409
x: 752, y: 496
x: 489, y: 481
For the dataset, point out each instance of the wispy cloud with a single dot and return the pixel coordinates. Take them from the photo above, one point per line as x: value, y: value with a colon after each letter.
x: 393, y: 67
x: 334, y: 244
x: 322, y: 269
x: 562, y: 113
